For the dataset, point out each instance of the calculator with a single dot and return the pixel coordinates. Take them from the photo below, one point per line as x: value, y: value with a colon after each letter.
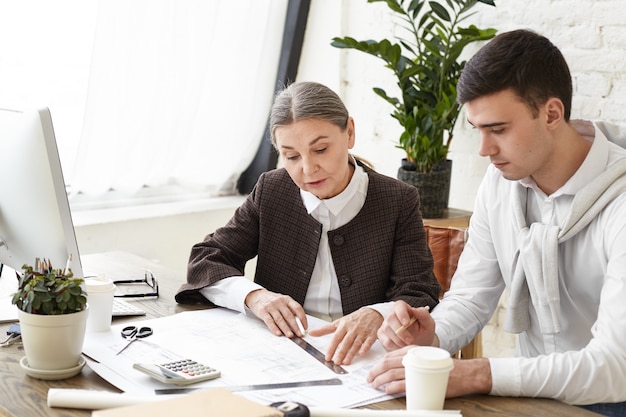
x: 180, y: 372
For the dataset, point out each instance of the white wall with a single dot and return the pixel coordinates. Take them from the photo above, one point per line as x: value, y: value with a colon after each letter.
x: 154, y: 232
x: 591, y: 34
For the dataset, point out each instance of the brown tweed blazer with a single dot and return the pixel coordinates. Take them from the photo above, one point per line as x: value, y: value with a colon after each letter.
x: 380, y: 255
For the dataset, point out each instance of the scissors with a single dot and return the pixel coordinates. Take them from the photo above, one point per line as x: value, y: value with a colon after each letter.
x: 132, y: 333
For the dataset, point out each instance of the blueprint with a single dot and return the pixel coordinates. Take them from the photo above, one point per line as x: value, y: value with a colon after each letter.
x: 242, y: 348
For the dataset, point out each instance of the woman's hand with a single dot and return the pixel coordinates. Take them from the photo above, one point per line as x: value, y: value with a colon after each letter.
x: 421, y: 332
x: 353, y: 334
x: 277, y: 311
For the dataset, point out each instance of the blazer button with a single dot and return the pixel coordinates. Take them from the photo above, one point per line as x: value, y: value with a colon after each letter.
x: 338, y: 240
x: 344, y: 281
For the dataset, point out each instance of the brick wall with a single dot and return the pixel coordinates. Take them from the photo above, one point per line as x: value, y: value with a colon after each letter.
x: 590, y: 33
x: 592, y: 36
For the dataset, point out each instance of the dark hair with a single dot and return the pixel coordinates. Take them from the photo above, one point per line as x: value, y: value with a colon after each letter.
x: 523, y: 61
x: 307, y: 100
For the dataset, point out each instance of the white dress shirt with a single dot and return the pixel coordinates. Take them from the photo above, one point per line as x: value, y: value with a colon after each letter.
x: 586, y: 362
x: 323, y: 299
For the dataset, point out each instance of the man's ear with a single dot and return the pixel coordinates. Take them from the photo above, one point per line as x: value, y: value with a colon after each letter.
x: 555, y: 112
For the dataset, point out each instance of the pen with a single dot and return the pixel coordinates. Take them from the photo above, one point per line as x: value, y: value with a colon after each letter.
x: 409, y: 324
x: 300, y: 326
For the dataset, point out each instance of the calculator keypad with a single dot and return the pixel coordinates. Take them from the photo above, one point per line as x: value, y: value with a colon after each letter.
x: 188, y: 368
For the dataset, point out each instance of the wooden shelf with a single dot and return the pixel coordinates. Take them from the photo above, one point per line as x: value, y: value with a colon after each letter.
x: 454, y: 218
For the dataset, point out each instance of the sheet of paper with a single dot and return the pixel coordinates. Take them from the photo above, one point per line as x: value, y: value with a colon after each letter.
x: 242, y: 348
x: 8, y: 311
x: 8, y: 285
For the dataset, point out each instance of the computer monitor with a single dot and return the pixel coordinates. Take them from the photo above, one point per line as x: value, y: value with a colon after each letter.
x: 35, y: 218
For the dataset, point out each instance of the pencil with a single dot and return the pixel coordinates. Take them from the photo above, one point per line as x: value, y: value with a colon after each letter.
x: 409, y: 324
x: 406, y: 326
x: 67, y: 264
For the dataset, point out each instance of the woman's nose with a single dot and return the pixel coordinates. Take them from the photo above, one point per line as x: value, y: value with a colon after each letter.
x: 309, y: 166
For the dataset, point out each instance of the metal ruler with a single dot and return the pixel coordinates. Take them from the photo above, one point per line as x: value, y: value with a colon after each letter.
x: 236, y: 388
x: 311, y: 350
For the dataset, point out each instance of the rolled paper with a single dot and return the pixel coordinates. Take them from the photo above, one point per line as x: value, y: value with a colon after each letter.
x: 93, y: 399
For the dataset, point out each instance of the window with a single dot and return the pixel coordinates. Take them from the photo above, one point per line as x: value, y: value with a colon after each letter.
x: 147, y: 96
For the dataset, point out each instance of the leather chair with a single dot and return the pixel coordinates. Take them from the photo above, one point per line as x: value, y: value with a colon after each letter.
x: 446, y: 245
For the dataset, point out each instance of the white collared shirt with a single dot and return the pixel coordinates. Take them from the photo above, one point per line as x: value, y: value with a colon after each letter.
x: 588, y: 357
x: 323, y: 298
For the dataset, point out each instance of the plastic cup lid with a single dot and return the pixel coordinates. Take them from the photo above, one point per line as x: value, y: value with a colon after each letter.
x: 428, y: 357
x: 99, y: 284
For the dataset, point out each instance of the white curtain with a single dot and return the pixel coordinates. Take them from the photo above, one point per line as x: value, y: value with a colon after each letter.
x: 179, y: 93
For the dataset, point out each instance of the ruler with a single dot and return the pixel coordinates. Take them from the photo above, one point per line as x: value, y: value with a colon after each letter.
x: 311, y: 350
x: 236, y: 388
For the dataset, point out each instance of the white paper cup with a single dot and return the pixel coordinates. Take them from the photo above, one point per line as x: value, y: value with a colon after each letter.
x: 100, y: 292
x: 426, y: 370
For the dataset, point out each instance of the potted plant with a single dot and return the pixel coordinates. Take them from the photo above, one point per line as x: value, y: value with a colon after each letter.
x: 52, y: 312
x: 426, y: 63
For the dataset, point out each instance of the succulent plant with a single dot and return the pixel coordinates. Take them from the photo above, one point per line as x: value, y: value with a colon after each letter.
x: 46, y: 291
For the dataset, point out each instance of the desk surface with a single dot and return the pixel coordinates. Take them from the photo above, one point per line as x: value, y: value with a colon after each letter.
x: 24, y: 396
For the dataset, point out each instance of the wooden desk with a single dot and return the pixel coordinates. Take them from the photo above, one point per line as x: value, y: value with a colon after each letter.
x: 27, y: 397
x: 488, y: 406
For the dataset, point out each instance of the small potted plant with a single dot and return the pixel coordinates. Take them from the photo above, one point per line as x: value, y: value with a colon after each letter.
x: 52, y: 312
x: 426, y: 62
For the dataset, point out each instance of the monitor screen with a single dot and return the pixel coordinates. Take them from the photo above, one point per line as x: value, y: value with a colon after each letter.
x: 35, y: 218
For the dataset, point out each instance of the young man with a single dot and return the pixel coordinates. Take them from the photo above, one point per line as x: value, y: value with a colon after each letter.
x: 549, y: 225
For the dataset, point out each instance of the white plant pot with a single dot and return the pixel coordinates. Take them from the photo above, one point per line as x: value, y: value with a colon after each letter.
x: 53, y: 342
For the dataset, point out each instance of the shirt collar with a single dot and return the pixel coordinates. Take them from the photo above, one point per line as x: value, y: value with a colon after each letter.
x: 340, y: 201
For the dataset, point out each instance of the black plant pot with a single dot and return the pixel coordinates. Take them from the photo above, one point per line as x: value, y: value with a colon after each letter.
x: 433, y: 187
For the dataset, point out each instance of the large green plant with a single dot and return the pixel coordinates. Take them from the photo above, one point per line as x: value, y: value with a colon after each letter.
x: 427, y: 66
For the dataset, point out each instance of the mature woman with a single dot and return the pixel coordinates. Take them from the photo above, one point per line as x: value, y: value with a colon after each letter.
x: 333, y: 238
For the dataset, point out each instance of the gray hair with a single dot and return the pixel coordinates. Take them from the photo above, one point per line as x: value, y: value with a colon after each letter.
x: 306, y: 100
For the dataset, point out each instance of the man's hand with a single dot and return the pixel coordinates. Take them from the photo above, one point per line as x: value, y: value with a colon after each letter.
x: 421, y: 332
x: 469, y: 376
x: 389, y: 371
x: 277, y: 311
x: 353, y: 334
